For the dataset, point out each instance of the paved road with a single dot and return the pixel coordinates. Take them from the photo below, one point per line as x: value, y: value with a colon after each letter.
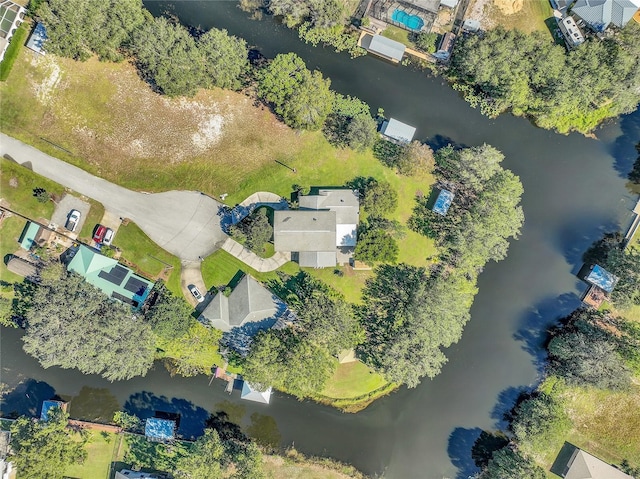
x: 185, y: 223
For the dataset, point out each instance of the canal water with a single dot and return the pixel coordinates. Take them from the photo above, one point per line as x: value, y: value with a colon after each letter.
x: 574, y: 192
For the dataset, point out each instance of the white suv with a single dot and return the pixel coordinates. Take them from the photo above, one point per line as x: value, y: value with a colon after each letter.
x: 72, y: 220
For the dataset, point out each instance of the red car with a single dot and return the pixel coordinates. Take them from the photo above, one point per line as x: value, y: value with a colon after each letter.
x: 98, y: 236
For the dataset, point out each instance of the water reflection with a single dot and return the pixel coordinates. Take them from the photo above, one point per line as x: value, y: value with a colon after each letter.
x: 26, y: 398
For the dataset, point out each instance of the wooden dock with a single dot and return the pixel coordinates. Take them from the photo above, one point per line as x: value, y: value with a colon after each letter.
x: 635, y: 225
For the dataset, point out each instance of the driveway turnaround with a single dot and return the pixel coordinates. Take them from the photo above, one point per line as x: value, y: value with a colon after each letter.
x: 185, y: 223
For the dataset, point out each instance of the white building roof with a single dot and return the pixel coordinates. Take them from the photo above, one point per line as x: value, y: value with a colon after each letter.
x: 600, y: 13
x: 397, y: 130
x: 251, y: 394
x: 387, y: 48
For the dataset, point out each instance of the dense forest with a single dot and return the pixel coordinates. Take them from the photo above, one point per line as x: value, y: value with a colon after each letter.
x: 530, y: 75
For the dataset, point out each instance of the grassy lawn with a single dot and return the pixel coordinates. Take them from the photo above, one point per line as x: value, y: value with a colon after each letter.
x: 530, y: 18
x: 20, y: 196
x: 14, y: 48
x: 398, y: 34
x: 350, y: 284
x: 99, y: 455
x: 93, y: 218
x: 149, y: 258
x: 221, y: 268
x: 10, y: 231
x: 353, y: 380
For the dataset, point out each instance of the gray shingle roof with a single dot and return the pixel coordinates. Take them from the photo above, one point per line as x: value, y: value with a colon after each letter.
x: 586, y: 466
x: 319, y: 259
x: 304, y: 230
x: 249, y: 302
x: 600, y: 13
x: 345, y: 202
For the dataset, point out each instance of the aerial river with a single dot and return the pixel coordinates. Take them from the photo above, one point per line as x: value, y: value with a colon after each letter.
x: 574, y: 191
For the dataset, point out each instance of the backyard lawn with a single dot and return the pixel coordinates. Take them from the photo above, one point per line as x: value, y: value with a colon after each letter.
x: 532, y: 17
x: 10, y: 231
x: 398, y: 34
x: 100, y: 451
x: 352, y: 380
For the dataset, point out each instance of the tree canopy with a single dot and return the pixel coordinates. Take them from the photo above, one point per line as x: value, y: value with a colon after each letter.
x: 72, y: 324
x: 530, y: 75
x: 507, y: 463
x: 170, y: 316
x: 43, y: 449
x: 79, y: 28
x: 253, y: 231
x: 301, y: 97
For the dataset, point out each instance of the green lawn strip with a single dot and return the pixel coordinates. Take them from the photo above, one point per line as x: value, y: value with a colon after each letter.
x: 10, y: 231
x: 398, y: 34
x: 21, y: 196
x: 100, y: 451
x: 147, y: 256
x: 92, y: 220
x: 13, y: 50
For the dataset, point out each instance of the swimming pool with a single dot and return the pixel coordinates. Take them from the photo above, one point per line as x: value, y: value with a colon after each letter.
x: 414, y: 22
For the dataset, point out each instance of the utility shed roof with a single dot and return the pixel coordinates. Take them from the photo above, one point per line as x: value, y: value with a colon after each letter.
x: 159, y: 429
x: 28, y: 237
x: 299, y: 230
x: 37, y: 38
x: 387, y: 48
x: 443, y: 202
x: 602, y: 278
x: 397, y: 130
x: 251, y: 394
x: 47, y: 406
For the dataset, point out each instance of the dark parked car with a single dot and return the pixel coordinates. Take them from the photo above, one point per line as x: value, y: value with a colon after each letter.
x: 72, y: 220
x: 98, y: 236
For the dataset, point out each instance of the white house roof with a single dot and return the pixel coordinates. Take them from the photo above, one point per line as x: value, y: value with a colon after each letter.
x: 387, y: 48
x: 600, y: 13
x: 397, y: 130
x: 251, y: 394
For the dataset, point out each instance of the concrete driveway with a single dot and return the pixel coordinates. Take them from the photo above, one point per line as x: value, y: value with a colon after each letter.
x: 64, y: 206
x: 185, y: 223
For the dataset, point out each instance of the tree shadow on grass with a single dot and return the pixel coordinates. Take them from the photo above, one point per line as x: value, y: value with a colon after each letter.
x: 26, y: 399
x: 192, y: 418
x: 459, y: 448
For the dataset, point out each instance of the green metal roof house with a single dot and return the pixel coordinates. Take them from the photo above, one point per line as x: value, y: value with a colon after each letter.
x: 28, y: 237
x: 110, y: 277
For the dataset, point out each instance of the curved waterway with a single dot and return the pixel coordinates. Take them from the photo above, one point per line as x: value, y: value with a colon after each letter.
x: 574, y: 191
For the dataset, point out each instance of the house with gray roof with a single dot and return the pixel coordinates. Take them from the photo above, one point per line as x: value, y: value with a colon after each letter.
x: 600, y: 14
x: 323, y: 231
x: 574, y: 463
x: 250, y: 306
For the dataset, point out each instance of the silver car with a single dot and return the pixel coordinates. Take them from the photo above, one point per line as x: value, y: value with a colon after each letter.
x: 72, y: 220
x: 108, y: 237
x: 196, y: 293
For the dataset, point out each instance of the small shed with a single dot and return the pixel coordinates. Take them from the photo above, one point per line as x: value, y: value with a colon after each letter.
x: 48, y: 405
x: 470, y: 25
x: 37, y: 38
x: 160, y: 430
x: 446, y: 47
x: 251, y: 394
x: 601, y: 278
x: 398, y: 131
x: 443, y: 202
x: 387, y: 48
x: 28, y: 238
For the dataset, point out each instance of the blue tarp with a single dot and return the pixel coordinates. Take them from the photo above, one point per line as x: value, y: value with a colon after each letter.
x: 46, y: 406
x: 159, y: 429
x: 443, y: 202
x: 602, y: 278
x: 38, y: 37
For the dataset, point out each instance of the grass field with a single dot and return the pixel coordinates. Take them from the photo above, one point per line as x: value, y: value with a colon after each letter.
x: 10, y: 231
x: 353, y: 380
x: 398, y: 34
x: 93, y: 218
x: 530, y: 18
x: 149, y: 258
x: 16, y: 187
x: 100, y: 451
